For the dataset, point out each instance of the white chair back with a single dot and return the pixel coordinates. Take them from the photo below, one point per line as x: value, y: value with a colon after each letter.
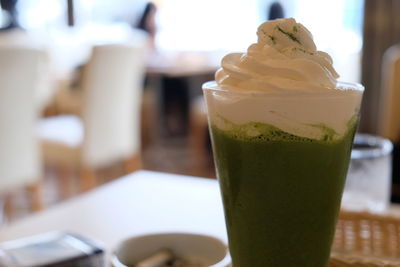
x: 389, y: 111
x: 21, y: 72
x: 112, y: 85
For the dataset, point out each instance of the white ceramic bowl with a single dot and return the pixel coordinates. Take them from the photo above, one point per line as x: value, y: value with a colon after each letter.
x: 202, y: 248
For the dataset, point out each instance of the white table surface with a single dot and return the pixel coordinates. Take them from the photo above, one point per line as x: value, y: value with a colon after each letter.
x: 139, y: 203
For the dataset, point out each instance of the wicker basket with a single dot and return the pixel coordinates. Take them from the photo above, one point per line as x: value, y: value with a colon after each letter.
x: 364, y: 239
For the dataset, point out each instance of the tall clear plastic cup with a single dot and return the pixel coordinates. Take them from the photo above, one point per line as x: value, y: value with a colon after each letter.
x: 281, y: 160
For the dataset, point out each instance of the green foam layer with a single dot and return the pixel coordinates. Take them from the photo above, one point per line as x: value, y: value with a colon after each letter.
x: 257, y: 131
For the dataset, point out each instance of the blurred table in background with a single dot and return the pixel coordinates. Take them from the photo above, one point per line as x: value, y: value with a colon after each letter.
x: 183, y: 63
x: 178, y: 76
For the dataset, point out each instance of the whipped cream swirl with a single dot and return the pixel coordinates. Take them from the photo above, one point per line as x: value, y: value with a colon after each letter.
x: 284, y: 59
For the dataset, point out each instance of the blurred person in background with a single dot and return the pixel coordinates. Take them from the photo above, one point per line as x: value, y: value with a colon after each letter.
x: 275, y: 11
x: 147, y: 23
x: 12, y: 34
x: 8, y: 15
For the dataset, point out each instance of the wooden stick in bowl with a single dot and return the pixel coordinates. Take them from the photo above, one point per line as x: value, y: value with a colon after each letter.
x: 158, y: 259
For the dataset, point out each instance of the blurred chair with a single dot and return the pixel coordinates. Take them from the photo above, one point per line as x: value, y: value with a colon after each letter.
x: 389, y: 111
x: 109, y: 130
x: 21, y: 72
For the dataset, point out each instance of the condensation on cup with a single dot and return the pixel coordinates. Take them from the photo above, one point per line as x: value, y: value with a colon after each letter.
x: 368, y: 184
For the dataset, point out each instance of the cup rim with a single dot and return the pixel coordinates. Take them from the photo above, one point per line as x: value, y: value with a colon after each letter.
x: 224, y: 262
x: 356, y: 87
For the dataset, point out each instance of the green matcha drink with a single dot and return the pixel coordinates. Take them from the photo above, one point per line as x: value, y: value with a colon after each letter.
x: 281, y: 144
x: 281, y: 195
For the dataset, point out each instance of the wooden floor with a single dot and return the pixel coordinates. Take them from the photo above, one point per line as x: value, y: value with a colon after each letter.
x: 167, y: 154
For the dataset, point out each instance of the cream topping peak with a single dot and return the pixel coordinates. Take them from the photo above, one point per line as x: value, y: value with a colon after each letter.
x: 284, y: 59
